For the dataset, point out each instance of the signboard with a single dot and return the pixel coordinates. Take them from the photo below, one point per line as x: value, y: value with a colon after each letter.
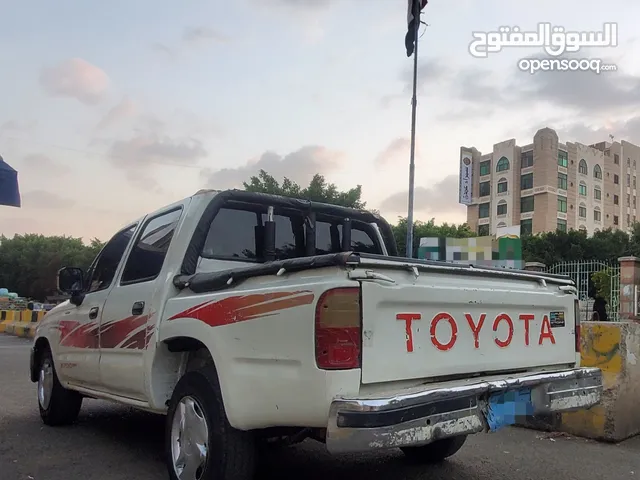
x: 466, y: 178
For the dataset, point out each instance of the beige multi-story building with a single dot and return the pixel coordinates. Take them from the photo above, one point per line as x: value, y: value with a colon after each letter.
x: 548, y: 185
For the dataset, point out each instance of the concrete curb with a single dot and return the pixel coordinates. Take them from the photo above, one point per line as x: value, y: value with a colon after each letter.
x: 20, y: 323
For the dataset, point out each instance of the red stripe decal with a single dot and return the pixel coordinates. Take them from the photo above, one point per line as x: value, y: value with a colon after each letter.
x: 246, y: 307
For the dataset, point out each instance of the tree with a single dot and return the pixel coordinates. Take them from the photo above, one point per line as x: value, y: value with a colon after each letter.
x: 554, y: 247
x: 427, y: 229
x: 318, y: 190
x: 29, y: 263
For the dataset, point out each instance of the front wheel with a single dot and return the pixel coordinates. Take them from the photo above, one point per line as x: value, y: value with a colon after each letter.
x: 57, y: 405
x: 435, y: 452
x: 200, y: 442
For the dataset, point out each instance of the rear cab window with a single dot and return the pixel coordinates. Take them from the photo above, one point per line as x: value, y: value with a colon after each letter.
x: 235, y: 234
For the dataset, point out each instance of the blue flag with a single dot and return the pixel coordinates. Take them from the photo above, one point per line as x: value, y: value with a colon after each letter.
x: 9, y: 191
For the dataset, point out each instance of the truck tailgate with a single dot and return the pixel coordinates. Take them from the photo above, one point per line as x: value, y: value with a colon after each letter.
x: 441, y: 324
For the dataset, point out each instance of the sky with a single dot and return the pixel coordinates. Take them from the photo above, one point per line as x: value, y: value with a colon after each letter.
x: 111, y: 110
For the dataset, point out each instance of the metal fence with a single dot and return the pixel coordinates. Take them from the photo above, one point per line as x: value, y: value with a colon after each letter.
x: 581, y: 273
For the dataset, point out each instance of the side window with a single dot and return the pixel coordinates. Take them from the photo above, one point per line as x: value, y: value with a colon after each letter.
x: 232, y: 235
x: 361, y: 241
x: 104, y: 268
x: 147, y: 255
x: 329, y: 240
x: 285, y: 238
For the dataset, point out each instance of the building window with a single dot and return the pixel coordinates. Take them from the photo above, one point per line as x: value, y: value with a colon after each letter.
x: 583, y: 229
x: 526, y: 227
x: 628, y: 180
x: 582, y: 189
x: 562, y: 181
x: 616, y: 158
x: 562, y: 204
x: 583, y: 168
x: 503, y: 165
x: 628, y: 200
x: 628, y: 219
x: 582, y: 211
x: 597, y: 194
x: 483, y: 230
x: 616, y: 179
x: 502, y: 208
x: 563, y: 159
x: 485, y: 189
x: 634, y: 201
x: 615, y: 200
x: 628, y: 161
x: 526, y: 204
x: 634, y: 181
x: 597, y: 215
x: 615, y: 220
x: 485, y: 168
x: 597, y: 172
x: 502, y: 186
x: 483, y: 210
x: 526, y: 181
x: 562, y: 225
x: 526, y: 159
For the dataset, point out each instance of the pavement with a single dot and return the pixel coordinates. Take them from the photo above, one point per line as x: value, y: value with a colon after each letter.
x: 111, y: 442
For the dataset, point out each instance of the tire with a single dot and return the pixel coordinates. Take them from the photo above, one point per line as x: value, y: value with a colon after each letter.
x: 58, y: 406
x: 434, y: 452
x: 230, y: 453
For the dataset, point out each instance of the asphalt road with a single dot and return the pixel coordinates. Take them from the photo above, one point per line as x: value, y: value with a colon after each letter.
x: 110, y: 442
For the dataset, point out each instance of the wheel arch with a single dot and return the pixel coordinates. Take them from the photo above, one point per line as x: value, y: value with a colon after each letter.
x: 40, y: 346
x: 174, y: 357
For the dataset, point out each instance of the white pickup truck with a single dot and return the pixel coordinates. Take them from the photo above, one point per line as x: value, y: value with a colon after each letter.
x: 249, y: 319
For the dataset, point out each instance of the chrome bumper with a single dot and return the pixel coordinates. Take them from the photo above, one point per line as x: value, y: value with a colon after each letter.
x: 448, y: 409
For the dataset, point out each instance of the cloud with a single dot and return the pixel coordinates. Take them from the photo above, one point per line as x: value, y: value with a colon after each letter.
x: 16, y: 126
x: 44, y: 165
x: 440, y: 200
x: 145, y: 149
x: 127, y: 108
x: 398, y: 148
x: 584, y: 93
x: 75, y: 78
x: 299, y: 4
x: 163, y: 49
x: 430, y: 72
x: 44, y: 199
x: 299, y: 166
x: 199, y: 34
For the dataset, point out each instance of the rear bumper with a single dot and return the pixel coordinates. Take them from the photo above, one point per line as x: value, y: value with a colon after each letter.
x: 421, y: 416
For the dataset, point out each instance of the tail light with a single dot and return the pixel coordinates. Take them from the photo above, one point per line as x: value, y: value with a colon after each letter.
x: 577, y: 325
x: 338, y: 329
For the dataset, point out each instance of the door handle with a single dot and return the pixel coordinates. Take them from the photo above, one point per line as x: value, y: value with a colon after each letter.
x: 137, y: 308
x: 93, y: 313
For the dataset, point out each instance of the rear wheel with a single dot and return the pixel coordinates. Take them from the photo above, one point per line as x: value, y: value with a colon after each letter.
x: 435, y: 452
x: 57, y: 405
x: 200, y: 442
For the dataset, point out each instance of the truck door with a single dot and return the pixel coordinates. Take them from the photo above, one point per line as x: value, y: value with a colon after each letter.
x: 129, y: 318
x: 78, y: 347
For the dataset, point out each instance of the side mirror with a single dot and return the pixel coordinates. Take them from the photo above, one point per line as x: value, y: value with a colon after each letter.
x: 70, y: 280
